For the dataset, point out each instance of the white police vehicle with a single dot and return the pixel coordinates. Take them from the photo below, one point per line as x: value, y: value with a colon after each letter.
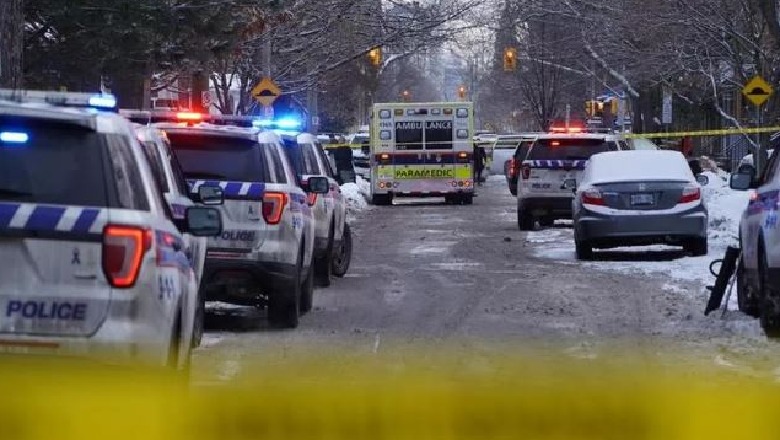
x: 173, y: 186
x: 553, y: 160
x: 758, y: 270
x: 93, y: 259
x: 265, y: 252
x: 332, y: 237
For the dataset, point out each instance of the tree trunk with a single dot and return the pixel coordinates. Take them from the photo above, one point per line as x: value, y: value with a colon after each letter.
x: 11, y: 43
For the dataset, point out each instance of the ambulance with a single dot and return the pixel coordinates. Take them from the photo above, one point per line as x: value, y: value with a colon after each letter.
x: 422, y: 150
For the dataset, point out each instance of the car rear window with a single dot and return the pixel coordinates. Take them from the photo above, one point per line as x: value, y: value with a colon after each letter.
x: 59, y: 164
x: 506, y: 145
x: 569, y: 149
x: 219, y: 157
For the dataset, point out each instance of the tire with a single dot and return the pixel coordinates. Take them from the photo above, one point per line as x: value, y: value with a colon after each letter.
x: 697, y: 246
x: 583, y: 250
x: 525, y: 221
x: 182, y: 372
x: 546, y: 222
x: 768, y: 297
x: 467, y: 199
x: 200, y: 322
x: 307, y: 292
x: 322, y: 265
x: 451, y: 199
x: 284, y: 304
x: 747, y: 300
x: 343, y: 256
x: 513, y: 189
x: 381, y: 199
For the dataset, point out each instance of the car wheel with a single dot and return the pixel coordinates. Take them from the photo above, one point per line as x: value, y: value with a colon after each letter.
x: 343, y: 257
x: 451, y: 199
x: 583, y: 250
x: 322, y: 265
x: 525, y: 221
x: 697, y: 246
x: 769, y: 313
x: 467, y: 199
x: 747, y: 301
x: 307, y: 292
x: 200, y: 322
x: 546, y: 222
x: 513, y: 189
x: 284, y: 304
x: 181, y: 367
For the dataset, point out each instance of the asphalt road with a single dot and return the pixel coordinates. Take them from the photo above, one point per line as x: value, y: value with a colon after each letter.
x: 463, y: 280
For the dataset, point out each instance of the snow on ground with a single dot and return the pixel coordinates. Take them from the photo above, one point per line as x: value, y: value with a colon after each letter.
x: 725, y: 209
x: 356, y: 195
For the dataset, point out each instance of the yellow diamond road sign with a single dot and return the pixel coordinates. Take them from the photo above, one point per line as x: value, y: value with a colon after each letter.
x: 266, y: 92
x: 757, y: 90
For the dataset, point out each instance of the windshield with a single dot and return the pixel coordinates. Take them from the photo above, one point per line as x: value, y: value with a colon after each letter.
x: 58, y: 165
x: 218, y: 157
x: 569, y: 149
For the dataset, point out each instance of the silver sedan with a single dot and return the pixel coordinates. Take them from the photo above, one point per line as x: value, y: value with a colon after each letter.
x: 639, y: 198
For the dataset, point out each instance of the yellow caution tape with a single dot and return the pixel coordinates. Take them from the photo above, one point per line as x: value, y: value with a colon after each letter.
x: 723, y: 132
x: 393, y: 397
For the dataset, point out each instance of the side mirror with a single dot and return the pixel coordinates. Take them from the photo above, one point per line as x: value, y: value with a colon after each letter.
x: 203, y: 222
x: 702, y: 179
x: 741, y: 181
x: 570, y: 184
x: 210, y: 195
x: 317, y: 185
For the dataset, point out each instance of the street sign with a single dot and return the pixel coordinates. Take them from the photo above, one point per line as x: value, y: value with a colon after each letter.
x: 266, y: 92
x: 205, y: 98
x: 757, y: 90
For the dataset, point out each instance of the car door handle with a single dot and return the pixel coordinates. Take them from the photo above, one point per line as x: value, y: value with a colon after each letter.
x: 84, y: 276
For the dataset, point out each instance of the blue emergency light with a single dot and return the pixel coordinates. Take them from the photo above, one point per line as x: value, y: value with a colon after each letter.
x: 286, y: 124
x: 14, y: 137
x: 102, y: 101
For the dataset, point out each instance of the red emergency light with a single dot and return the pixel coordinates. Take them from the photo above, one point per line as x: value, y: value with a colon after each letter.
x: 189, y: 116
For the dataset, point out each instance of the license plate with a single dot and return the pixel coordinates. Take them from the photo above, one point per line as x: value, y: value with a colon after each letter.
x: 642, y: 199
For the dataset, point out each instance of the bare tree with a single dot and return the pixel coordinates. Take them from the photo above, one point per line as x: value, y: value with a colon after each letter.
x: 11, y: 43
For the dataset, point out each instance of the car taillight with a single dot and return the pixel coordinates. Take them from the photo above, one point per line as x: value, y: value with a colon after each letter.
x: 123, y: 251
x: 690, y: 194
x: 526, y: 170
x: 273, y: 207
x: 311, y: 199
x: 592, y: 197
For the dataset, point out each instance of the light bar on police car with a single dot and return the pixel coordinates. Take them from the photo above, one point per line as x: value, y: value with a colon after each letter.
x: 98, y: 101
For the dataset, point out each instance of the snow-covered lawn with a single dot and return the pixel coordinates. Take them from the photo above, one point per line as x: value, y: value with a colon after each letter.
x: 725, y: 209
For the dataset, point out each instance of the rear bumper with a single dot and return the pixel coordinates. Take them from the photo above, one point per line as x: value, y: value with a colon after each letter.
x: 557, y: 207
x: 241, y: 281
x: 624, y: 230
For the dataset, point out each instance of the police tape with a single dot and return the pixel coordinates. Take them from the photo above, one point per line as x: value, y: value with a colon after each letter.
x: 390, y: 398
x: 720, y: 132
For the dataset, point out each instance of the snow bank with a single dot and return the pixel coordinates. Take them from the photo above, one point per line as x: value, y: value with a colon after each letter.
x: 356, y: 195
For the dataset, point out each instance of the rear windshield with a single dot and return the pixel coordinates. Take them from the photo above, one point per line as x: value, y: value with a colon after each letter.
x: 219, y: 157
x: 569, y: 149
x: 58, y: 164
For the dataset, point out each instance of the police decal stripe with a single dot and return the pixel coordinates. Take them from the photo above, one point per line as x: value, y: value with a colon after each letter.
x: 33, y: 217
x: 250, y: 190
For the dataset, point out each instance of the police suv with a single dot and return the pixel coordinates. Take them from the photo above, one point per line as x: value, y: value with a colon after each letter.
x: 94, y: 261
x: 332, y: 237
x: 265, y: 253
x: 554, y: 159
x: 758, y: 269
x: 173, y: 186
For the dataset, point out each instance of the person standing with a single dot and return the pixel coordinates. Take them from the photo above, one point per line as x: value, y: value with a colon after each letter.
x: 479, y: 163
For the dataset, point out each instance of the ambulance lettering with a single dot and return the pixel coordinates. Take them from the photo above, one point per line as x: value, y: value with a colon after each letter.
x: 421, y: 174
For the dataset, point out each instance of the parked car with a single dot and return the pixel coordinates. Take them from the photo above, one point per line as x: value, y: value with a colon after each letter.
x: 638, y: 198
x: 503, y: 149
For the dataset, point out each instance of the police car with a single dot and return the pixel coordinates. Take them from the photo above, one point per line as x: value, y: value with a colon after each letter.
x: 265, y: 253
x: 554, y: 159
x: 94, y: 261
x: 758, y: 270
x: 332, y: 237
x: 173, y: 186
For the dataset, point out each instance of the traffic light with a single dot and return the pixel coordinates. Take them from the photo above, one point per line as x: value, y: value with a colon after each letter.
x: 510, y: 59
x: 589, y: 110
x: 406, y: 95
x: 615, y: 103
x: 375, y: 56
x: 462, y: 92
